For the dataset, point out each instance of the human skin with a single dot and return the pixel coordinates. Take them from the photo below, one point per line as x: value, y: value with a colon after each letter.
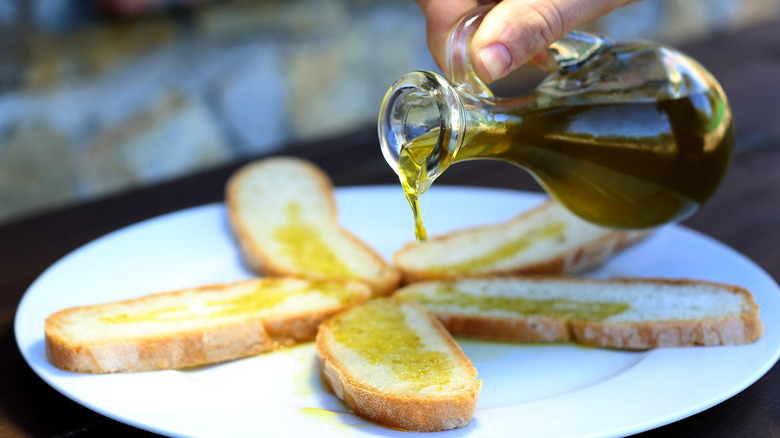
x: 513, y: 33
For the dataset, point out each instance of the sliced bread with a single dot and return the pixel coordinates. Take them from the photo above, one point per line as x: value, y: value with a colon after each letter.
x: 396, y: 365
x: 546, y: 239
x: 283, y: 213
x: 195, y: 326
x: 624, y: 313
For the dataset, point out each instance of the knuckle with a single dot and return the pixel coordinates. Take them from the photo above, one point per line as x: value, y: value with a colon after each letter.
x: 550, y: 19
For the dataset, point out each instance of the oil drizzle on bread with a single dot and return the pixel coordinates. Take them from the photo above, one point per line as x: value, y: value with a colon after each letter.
x: 305, y: 247
x: 172, y: 313
x: 505, y: 251
x: 449, y: 295
x: 378, y: 332
x: 264, y: 297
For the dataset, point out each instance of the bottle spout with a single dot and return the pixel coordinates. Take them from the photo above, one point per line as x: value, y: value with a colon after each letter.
x: 421, y: 116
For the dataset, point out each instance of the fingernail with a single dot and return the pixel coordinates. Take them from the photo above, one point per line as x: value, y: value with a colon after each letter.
x: 496, y: 59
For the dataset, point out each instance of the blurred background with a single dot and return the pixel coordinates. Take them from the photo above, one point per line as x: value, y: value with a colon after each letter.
x: 101, y: 96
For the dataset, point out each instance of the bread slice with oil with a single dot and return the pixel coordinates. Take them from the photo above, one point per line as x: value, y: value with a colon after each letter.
x: 395, y: 364
x: 283, y: 213
x: 196, y: 326
x: 624, y: 313
x: 546, y: 239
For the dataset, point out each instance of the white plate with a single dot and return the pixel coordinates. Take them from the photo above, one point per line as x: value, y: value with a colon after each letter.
x: 529, y: 390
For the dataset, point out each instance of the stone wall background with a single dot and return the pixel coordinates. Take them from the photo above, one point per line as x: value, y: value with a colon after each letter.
x: 93, y: 104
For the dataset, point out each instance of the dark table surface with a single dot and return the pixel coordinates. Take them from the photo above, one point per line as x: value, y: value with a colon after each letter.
x: 744, y: 214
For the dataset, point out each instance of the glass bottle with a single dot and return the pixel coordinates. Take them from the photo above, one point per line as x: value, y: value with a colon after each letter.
x: 625, y: 135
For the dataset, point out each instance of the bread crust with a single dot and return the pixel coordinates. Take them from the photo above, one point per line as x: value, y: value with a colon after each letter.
x: 738, y: 330
x: 406, y: 411
x: 538, y: 329
x: 194, y: 348
x: 585, y: 257
x: 264, y: 263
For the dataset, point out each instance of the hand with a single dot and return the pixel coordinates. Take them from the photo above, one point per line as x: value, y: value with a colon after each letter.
x: 513, y: 33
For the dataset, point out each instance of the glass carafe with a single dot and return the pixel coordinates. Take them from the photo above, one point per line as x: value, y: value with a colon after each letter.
x: 625, y: 135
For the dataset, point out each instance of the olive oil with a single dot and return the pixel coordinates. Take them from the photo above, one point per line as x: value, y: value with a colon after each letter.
x: 449, y: 295
x: 264, y: 297
x: 303, y: 244
x: 508, y: 249
x: 268, y: 297
x: 623, y: 165
x: 164, y: 314
x: 412, y: 164
x: 378, y: 332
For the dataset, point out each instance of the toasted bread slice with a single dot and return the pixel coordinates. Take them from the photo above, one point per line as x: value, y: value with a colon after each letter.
x: 396, y: 365
x: 196, y: 326
x: 625, y: 313
x: 547, y: 239
x: 283, y: 214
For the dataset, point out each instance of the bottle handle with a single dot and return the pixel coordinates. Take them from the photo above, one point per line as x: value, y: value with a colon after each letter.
x: 460, y: 71
x: 569, y: 53
x: 577, y: 48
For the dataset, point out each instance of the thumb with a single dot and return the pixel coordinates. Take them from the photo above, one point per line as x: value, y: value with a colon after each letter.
x: 518, y: 31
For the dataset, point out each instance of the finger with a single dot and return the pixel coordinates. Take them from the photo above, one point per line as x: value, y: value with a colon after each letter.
x: 517, y: 31
x: 440, y: 17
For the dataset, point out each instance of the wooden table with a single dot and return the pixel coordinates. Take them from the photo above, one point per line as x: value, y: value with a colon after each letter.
x: 744, y: 214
